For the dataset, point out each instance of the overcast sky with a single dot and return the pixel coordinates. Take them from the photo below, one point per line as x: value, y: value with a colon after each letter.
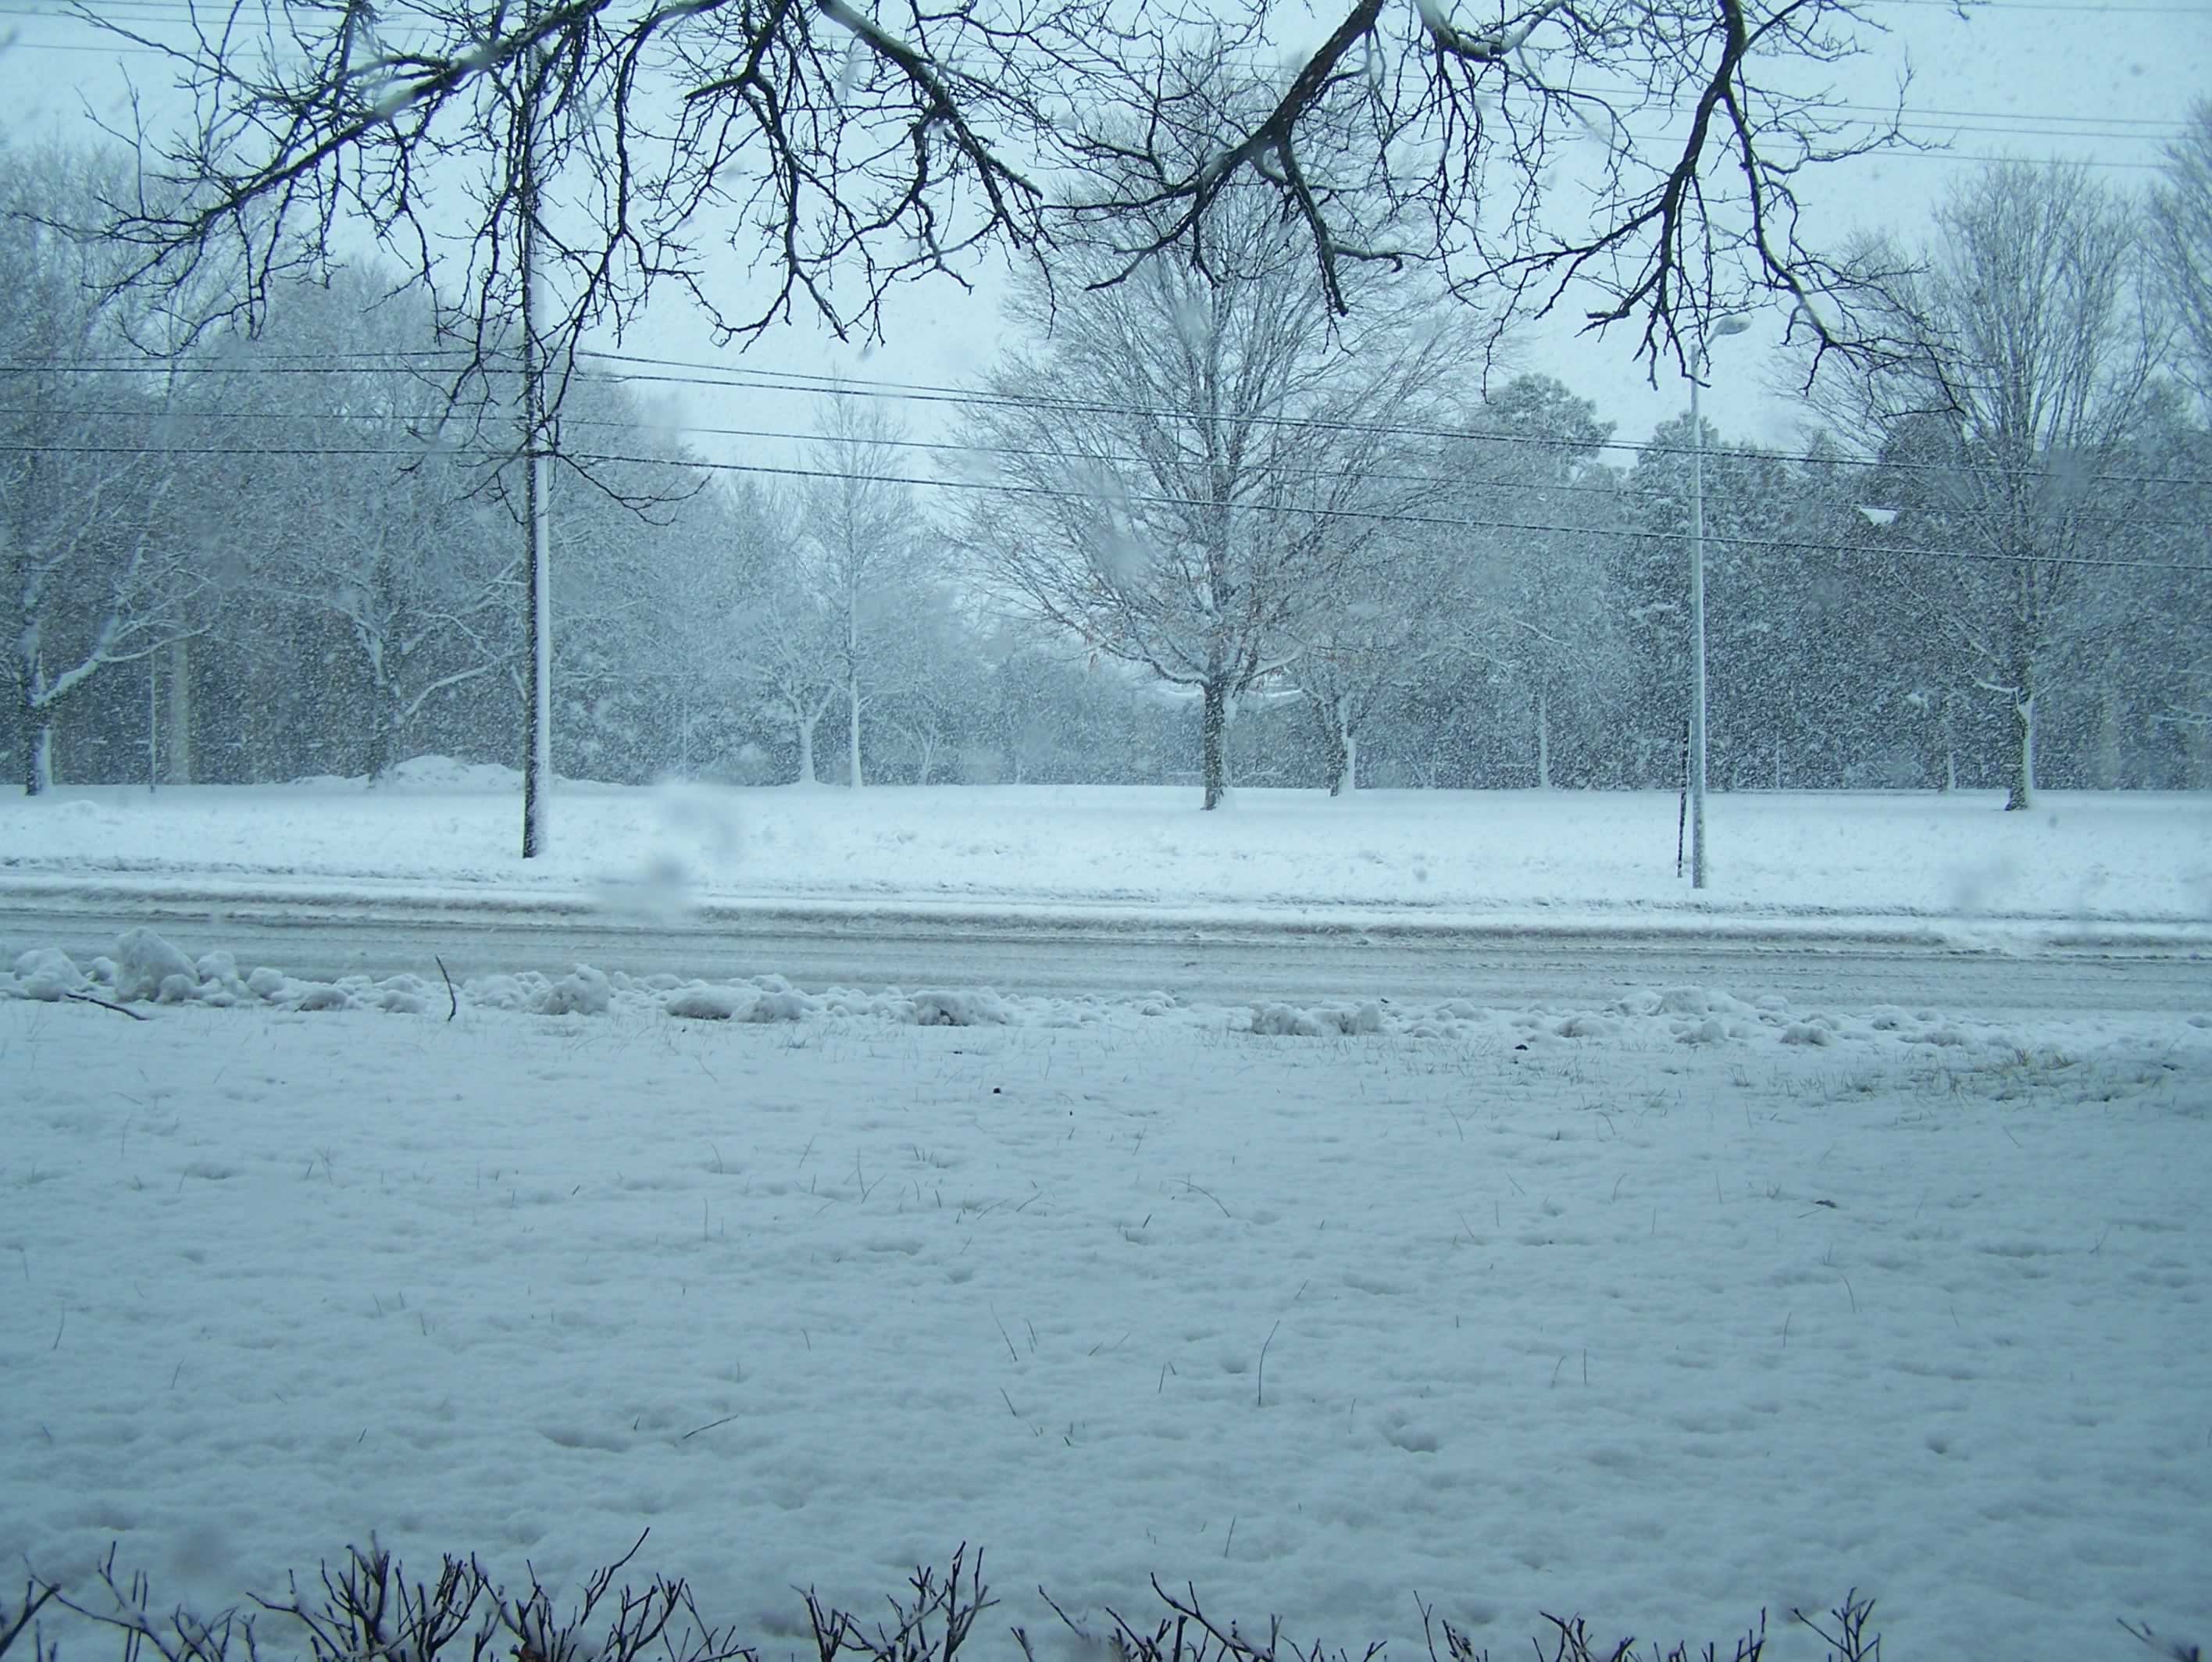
x: 2107, y: 84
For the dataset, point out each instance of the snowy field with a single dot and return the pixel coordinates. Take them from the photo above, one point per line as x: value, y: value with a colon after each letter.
x: 1663, y: 1311
x: 1561, y: 856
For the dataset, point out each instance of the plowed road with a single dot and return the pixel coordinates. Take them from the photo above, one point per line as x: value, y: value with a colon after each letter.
x: 1109, y: 955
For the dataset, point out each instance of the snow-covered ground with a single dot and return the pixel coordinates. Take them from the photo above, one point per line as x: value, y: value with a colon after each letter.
x: 1663, y: 1312
x: 1663, y: 1309
x: 1564, y: 858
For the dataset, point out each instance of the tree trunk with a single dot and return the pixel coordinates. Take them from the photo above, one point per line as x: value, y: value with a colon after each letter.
x: 853, y: 734
x: 383, y: 737
x: 2025, y: 631
x: 2111, y: 767
x: 179, y: 736
x: 38, y: 755
x: 805, y: 752
x: 2021, y: 792
x: 1212, y: 741
x: 1337, y: 748
x: 1543, y: 741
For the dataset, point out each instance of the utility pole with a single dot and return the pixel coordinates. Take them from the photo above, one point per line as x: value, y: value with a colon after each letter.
x: 1723, y: 326
x: 538, y: 507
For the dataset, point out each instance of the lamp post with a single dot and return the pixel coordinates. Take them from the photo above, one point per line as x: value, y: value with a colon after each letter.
x: 1721, y: 326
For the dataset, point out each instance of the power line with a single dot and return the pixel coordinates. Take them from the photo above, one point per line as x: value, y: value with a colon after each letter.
x: 8, y: 43
x: 2076, y: 6
x: 927, y: 392
x: 582, y: 459
x: 719, y: 377
x: 1618, y: 492
x: 1788, y: 544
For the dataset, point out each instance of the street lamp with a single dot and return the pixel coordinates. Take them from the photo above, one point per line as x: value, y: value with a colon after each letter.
x: 1720, y: 326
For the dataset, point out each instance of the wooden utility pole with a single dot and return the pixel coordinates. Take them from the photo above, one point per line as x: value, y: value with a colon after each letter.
x: 538, y: 515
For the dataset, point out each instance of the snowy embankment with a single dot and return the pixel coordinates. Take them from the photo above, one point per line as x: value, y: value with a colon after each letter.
x: 1662, y: 1311
x: 445, y: 834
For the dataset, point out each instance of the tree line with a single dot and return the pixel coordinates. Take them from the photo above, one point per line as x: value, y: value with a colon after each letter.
x: 1207, y: 521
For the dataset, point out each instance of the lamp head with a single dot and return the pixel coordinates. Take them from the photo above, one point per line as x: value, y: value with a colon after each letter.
x: 1730, y: 326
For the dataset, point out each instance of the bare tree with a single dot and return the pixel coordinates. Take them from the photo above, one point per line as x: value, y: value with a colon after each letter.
x: 2181, y: 244
x: 788, y: 652
x: 88, y: 577
x: 840, y: 149
x: 2035, y: 362
x: 781, y: 638
x: 610, y: 149
x: 1416, y: 133
x: 1187, y: 463
x: 839, y: 153
x: 1394, y: 634
x: 860, y: 529
x: 2181, y: 252
x: 595, y: 140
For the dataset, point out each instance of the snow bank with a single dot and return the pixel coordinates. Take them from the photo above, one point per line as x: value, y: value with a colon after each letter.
x: 145, y: 968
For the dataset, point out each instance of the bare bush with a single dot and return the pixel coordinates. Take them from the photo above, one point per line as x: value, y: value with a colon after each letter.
x: 13, y: 1625
x: 1850, y: 1641
x: 929, y: 1624
x: 369, y: 1610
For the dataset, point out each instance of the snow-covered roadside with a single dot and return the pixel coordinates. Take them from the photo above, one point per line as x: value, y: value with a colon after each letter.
x: 1662, y: 1311
x: 440, y: 836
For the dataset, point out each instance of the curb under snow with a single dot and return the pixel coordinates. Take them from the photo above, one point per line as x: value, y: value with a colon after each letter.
x: 260, y: 899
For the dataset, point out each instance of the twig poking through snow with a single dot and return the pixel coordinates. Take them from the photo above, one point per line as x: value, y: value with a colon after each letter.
x: 1210, y: 1196
x: 120, y: 1010
x: 452, y: 998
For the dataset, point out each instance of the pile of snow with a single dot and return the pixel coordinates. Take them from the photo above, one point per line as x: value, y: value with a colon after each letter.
x: 145, y: 968
x: 1322, y: 1020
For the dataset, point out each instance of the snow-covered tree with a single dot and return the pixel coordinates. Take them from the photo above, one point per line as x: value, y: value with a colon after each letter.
x: 932, y: 677
x: 784, y: 642
x: 1530, y: 597
x: 710, y: 577
x: 88, y: 579
x: 2034, y: 363
x: 364, y: 511
x: 1193, y: 464
x: 866, y: 550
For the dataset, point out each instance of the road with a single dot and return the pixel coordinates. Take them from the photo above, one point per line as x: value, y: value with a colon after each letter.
x: 1125, y: 956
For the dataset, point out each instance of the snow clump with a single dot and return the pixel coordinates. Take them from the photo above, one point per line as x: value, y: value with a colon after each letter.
x: 981, y: 1008
x: 146, y: 965
x: 771, y: 1001
x: 48, y: 974
x: 1322, y: 1021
